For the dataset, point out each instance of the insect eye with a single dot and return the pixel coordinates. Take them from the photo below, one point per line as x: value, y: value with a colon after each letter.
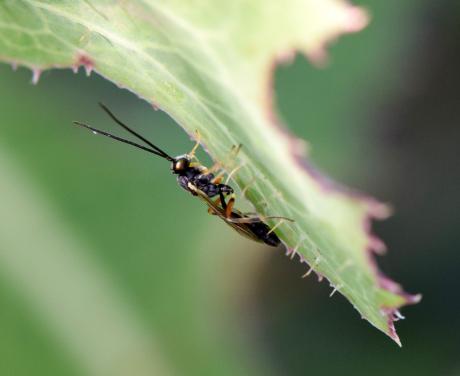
x: 181, y: 164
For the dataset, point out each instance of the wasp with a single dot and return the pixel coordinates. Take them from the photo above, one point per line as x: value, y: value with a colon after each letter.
x: 202, y: 182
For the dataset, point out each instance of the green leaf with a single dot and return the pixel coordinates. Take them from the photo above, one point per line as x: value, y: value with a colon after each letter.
x: 209, y: 64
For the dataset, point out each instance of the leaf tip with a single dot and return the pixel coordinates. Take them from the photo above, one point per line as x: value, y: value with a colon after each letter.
x: 392, y: 332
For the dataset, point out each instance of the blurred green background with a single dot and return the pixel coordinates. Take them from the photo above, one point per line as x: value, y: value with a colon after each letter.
x: 108, y: 268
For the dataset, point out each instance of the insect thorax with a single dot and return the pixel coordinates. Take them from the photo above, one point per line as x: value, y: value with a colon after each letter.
x: 204, y: 182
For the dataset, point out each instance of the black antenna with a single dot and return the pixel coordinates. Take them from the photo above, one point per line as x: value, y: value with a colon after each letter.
x: 97, y: 131
x: 119, y: 122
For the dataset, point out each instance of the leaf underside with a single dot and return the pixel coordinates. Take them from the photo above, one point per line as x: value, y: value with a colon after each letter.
x: 209, y: 65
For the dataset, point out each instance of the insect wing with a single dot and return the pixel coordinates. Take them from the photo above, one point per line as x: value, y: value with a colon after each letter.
x: 241, y: 228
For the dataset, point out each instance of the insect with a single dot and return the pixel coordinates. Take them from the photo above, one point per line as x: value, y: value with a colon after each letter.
x: 202, y: 182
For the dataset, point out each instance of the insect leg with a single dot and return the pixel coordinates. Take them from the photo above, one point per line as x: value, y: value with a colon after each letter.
x: 217, y: 165
x: 229, y: 206
x: 211, y: 210
x: 245, y: 189
x: 276, y: 226
x: 235, y: 150
x: 223, y: 203
x: 218, y: 178
x: 198, y: 140
x: 232, y: 173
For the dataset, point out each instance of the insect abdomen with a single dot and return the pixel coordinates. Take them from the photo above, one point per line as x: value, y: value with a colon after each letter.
x: 262, y: 231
